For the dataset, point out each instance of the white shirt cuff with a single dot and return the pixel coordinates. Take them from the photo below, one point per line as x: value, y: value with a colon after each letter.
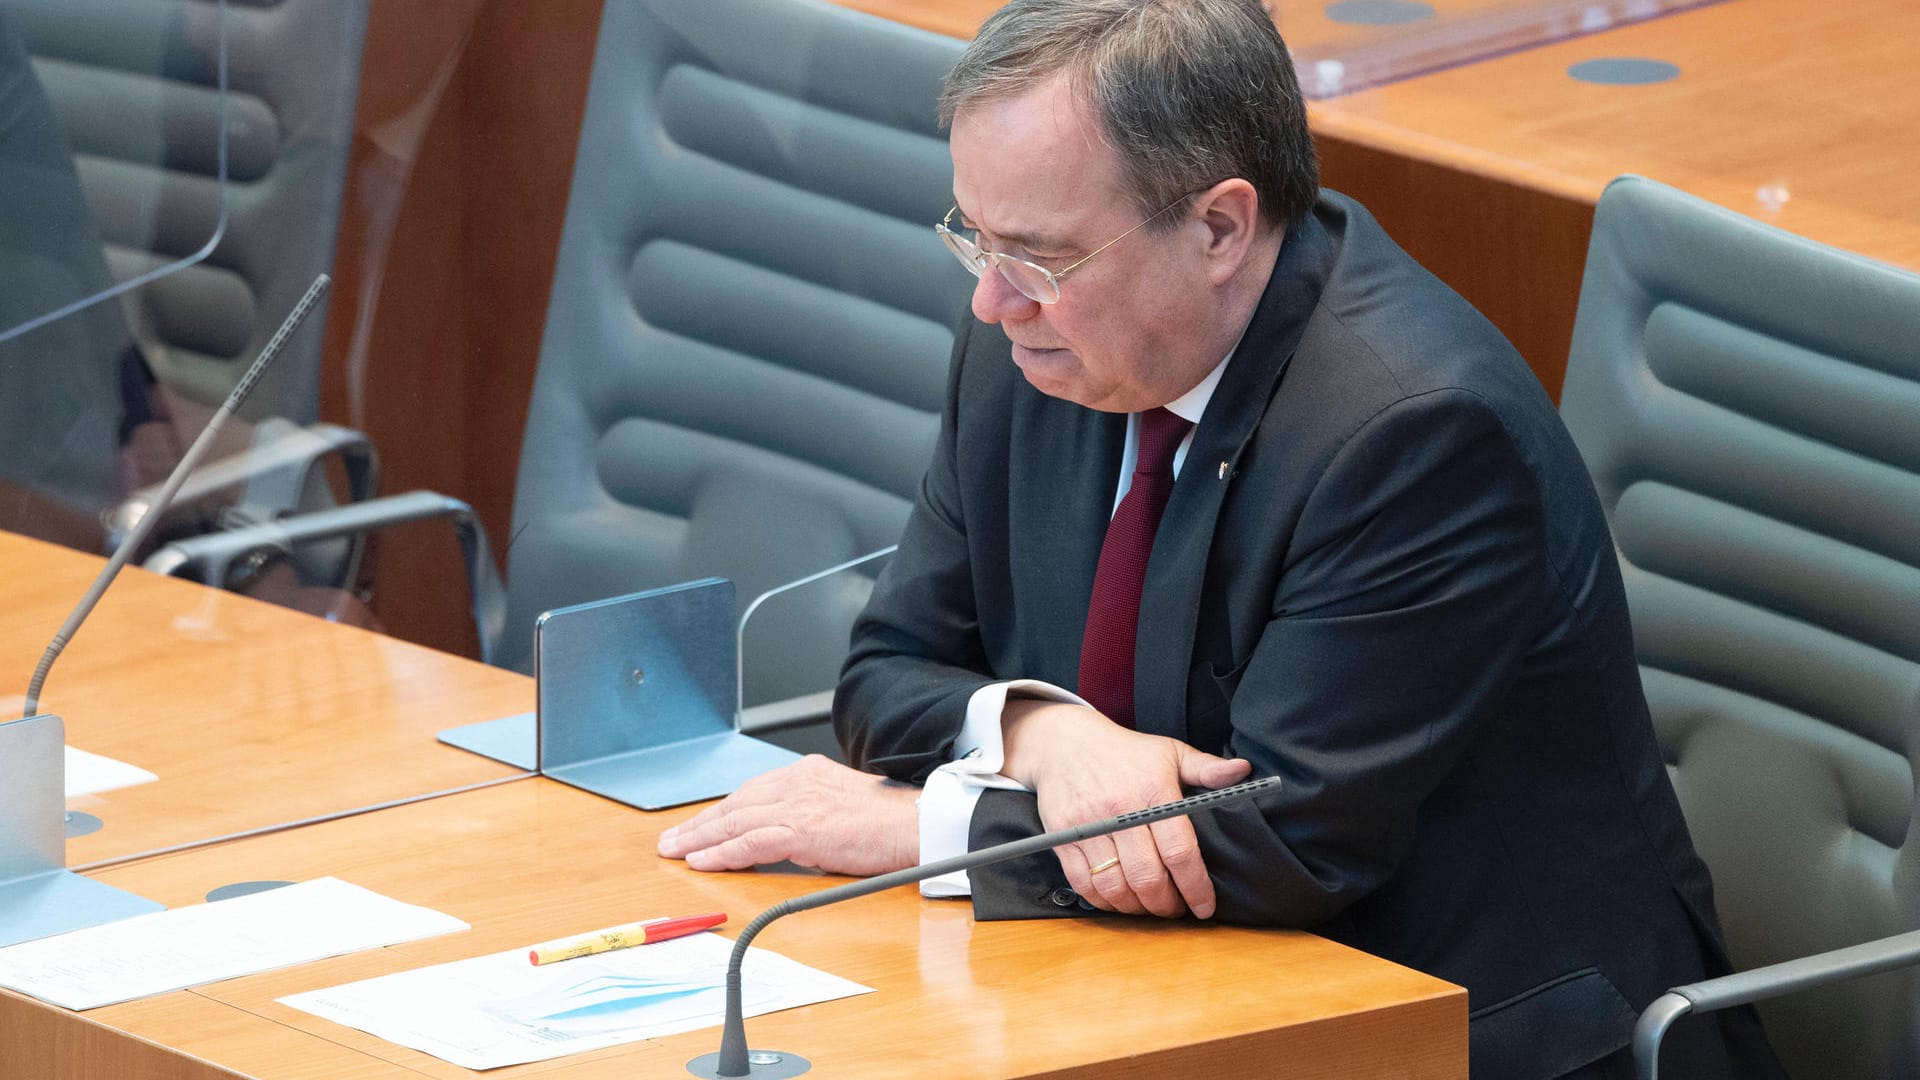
x: 947, y: 801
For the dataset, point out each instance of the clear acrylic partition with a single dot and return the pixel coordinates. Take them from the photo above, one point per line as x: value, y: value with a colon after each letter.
x: 174, y: 175
x: 792, y: 640
x: 114, y: 155
x: 1350, y: 45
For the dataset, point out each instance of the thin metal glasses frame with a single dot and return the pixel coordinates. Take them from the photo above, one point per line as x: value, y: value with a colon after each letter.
x: 1044, y: 290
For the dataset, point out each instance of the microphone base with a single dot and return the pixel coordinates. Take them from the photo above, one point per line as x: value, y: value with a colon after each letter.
x: 761, y: 1065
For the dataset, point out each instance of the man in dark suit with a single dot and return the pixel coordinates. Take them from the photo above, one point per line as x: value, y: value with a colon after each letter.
x: 1227, y: 483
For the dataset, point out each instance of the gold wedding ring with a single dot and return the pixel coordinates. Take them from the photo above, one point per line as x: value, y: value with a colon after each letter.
x: 1108, y: 865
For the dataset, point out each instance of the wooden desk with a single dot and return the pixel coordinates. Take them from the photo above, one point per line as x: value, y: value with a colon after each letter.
x: 534, y: 860
x: 1798, y: 114
x: 250, y: 714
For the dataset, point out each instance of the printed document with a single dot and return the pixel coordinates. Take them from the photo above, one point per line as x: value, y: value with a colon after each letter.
x: 90, y: 774
x: 499, y: 1010
x: 203, y: 943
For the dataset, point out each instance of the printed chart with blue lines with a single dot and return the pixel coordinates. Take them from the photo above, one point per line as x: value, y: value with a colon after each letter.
x: 497, y: 1010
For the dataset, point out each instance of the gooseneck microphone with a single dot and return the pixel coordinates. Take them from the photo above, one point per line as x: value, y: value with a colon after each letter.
x: 138, y: 534
x: 733, y: 1060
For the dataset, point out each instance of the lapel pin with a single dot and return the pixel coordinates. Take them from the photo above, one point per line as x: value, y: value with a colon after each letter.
x: 1225, y: 469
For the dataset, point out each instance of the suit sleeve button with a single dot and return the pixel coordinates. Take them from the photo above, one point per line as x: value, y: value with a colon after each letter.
x: 1063, y: 897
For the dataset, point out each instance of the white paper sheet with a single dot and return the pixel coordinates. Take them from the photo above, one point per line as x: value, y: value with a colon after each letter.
x: 90, y: 774
x: 203, y: 943
x: 499, y: 1010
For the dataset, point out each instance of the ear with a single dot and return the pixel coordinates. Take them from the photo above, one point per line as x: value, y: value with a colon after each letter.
x: 1230, y: 213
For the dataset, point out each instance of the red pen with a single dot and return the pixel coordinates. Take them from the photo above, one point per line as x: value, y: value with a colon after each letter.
x: 623, y: 937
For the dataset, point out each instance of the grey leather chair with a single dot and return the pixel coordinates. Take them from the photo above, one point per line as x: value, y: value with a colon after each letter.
x: 745, y: 351
x: 747, y: 339
x: 133, y: 83
x: 1749, y: 405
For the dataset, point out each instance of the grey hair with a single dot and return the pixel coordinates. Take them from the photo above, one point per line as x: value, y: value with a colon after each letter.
x: 1188, y: 92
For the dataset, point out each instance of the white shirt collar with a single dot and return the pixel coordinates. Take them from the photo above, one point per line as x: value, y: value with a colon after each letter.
x: 1191, y: 405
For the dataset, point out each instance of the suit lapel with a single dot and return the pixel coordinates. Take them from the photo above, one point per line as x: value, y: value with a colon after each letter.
x: 1176, y: 571
x: 1067, y: 463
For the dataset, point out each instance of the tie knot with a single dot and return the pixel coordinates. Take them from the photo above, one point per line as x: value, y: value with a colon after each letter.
x: 1160, y: 435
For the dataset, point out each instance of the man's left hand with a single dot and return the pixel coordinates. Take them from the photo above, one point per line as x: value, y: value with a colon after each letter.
x: 815, y: 812
x: 1083, y: 767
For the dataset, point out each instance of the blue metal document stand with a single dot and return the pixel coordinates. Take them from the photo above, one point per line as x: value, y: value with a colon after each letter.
x: 39, y: 897
x: 637, y: 701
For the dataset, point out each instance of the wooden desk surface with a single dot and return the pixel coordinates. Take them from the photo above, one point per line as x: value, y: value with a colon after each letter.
x: 250, y: 714
x: 1799, y: 114
x: 534, y: 860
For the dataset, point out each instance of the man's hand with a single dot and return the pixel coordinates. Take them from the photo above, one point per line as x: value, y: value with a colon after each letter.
x: 1083, y: 767
x: 814, y: 812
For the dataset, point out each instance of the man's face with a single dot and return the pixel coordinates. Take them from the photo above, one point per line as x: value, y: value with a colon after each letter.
x: 1032, y: 175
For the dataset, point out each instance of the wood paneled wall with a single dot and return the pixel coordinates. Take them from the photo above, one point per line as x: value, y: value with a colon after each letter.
x: 1466, y: 228
x: 463, y: 150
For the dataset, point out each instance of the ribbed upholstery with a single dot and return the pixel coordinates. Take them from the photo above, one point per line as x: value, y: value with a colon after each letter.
x: 745, y: 350
x: 1749, y: 405
x: 134, y: 85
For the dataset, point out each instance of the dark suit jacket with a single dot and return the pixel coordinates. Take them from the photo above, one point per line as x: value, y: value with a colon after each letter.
x: 1384, y: 576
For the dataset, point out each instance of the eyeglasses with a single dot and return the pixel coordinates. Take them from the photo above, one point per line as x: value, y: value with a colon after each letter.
x: 1035, y: 282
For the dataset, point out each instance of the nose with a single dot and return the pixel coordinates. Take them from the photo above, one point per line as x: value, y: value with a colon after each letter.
x: 995, y: 299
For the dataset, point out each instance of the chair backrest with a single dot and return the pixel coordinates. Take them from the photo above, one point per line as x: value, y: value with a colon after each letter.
x: 746, y: 346
x: 133, y: 83
x: 1749, y: 405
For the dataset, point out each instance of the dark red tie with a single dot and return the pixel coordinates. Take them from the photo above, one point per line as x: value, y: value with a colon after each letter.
x: 1113, y: 616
